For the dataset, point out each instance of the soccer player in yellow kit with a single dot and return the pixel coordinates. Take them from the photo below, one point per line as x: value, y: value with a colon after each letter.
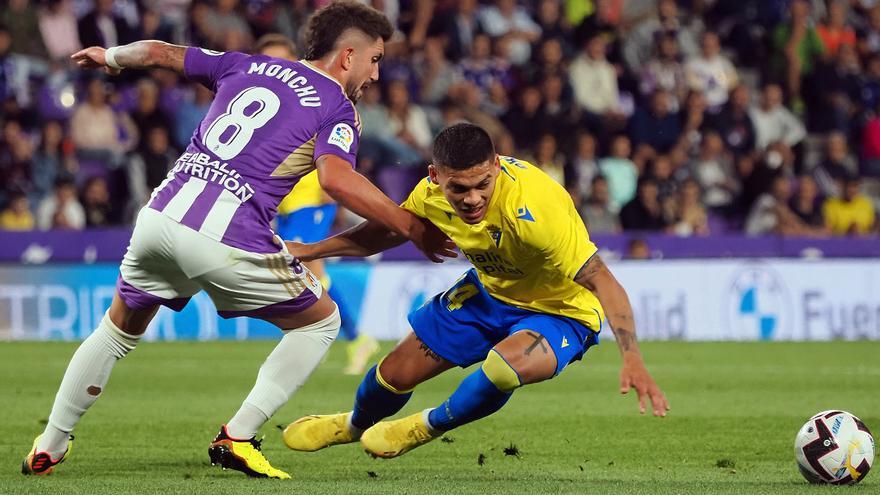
x: 533, y: 303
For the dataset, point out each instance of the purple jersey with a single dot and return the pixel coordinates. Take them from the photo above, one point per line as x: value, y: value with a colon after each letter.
x: 269, y: 122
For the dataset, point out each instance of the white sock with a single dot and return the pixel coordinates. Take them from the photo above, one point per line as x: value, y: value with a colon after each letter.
x: 83, y: 382
x: 283, y: 372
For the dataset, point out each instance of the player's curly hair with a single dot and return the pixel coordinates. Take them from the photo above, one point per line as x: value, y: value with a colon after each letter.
x: 327, y: 25
x: 461, y: 146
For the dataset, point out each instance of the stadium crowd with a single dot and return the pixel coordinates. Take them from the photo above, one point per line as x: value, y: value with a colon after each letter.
x: 687, y: 117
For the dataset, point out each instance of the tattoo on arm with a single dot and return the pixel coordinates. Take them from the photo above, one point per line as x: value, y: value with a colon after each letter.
x: 428, y: 352
x: 150, y: 54
x: 539, y: 341
x: 592, y: 267
x: 626, y: 339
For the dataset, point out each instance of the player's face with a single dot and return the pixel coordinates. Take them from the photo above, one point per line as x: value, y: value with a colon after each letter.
x: 364, y: 60
x: 468, y: 191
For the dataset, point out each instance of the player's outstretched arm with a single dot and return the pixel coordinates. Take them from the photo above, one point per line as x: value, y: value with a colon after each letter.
x: 364, y: 239
x: 596, y: 277
x: 353, y: 191
x: 147, y: 54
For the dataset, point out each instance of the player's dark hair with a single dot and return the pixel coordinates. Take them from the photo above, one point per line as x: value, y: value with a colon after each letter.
x: 327, y: 25
x: 274, y: 39
x: 461, y: 146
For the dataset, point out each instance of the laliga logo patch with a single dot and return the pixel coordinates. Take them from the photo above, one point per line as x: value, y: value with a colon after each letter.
x: 342, y: 136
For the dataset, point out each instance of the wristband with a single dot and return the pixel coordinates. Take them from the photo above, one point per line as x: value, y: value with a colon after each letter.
x: 110, y: 58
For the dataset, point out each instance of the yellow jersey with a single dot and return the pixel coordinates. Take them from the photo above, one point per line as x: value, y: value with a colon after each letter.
x: 307, y: 192
x: 530, y: 245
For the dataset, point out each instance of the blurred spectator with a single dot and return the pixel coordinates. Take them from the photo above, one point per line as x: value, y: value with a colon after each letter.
x: 507, y: 19
x: 694, y: 119
x: 869, y: 36
x: 773, y: 122
x: 836, y: 165
x: 483, y: 69
x: 583, y: 166
x: 638, y: 249
x: 146, y: 113
x: 710, y: 72
x: 597, y: 213
x: 834, y: 31
x: 547, y: 157
x: 656, y: 125
x: 58, y: 28
x: 665, y: 71
x: 806, y: 204
x: 525, y: 117
x: 690, y: 215
x: 667, y: 185
x: 550, y: 21
x: 98, y: 132
x: 797, y: 49
x: 96, y: 203
x: 461, y: 27
x: 407, y: 120
x: 435, y: 73
x: 224, y: 27
x: 20, y: 17
x: 379, y: 144
x: 550, y: 62
x: 713, y: 173
x: 16, y: 153
x: 17, y: 215
x: 61, y: 210
x: 148, y: 168
x: 620, y: 172
x: 644, y: 212
x: 603, y: 21
x: 771, y: 212
x: 594, y: 82
x: 101, y: 27
x: 870, y: 138
x: 852, y: 213
x: 836, y: 90
x: 290, y: 18
x: 734, y: 124
x: 51, y: 161
x: 153, y: 27
x: 640, y: 41
x: 13, y: 72
x: 190, y: 114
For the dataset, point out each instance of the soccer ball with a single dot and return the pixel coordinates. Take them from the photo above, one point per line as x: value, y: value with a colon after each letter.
x: 834, y: 447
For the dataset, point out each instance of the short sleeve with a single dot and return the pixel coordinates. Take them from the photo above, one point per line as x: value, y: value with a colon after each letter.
x: 208, y: 66
x: 339, y: 135
x: 415, y: 203
x: 556, y: 231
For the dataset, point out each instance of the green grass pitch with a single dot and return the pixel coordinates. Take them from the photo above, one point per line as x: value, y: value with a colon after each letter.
x: 735, y: 410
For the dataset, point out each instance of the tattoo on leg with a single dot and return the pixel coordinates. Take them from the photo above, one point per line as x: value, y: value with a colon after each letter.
x: 539, y: 341
x: 428, y: 352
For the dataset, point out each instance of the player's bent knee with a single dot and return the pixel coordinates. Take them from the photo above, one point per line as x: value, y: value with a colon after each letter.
x: 393, y: 379
x: 500, y: 373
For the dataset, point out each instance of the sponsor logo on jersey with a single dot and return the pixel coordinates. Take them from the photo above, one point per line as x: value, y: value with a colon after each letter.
x: 342, y: 136
x: 524, y: 214
x: 495, y: 234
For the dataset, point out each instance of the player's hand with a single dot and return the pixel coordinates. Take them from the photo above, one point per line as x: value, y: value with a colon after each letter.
x: 635, y: 375
x: 431, y: 241
x: 93, y: 58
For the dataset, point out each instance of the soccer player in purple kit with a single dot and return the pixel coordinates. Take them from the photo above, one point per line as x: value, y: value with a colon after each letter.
x: 207, y: 226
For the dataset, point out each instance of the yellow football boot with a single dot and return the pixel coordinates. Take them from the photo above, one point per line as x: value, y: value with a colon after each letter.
x: 242, y: 455
x: 41, y: 462
x: 312, y: 433
x: 393, y: 438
